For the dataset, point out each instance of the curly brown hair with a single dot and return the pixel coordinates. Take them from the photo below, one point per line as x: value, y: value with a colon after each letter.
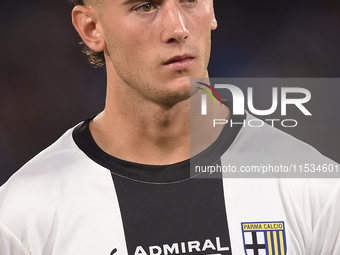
x: 95, y: 58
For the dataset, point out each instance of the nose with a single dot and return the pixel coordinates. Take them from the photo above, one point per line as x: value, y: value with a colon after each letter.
x: 174, y: 24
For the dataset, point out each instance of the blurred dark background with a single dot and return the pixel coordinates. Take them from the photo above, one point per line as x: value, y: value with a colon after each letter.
x: 47, y: 86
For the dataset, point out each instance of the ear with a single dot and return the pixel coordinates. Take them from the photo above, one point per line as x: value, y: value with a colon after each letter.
x: 213, y: 21
x: 86, y: 22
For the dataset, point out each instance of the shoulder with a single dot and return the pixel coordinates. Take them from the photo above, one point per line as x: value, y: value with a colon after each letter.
x: 40, y: 176
x: 46, y: 168
x: 51, y: 193
x: 34, y: 191
x: 269, y: 143
x: 267, y: 152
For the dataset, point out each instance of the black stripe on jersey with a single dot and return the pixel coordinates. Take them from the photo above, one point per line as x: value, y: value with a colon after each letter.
x: 163, y: 210
x: 187, y: 217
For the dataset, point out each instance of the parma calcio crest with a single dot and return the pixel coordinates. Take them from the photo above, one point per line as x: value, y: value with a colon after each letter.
x: 264, y: 238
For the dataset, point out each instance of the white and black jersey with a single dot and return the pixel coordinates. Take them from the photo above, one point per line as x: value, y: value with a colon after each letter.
x: 74, y: 199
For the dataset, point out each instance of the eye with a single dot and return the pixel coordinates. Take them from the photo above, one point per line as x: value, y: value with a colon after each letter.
x: 148, y: 7
x: 190, y: 1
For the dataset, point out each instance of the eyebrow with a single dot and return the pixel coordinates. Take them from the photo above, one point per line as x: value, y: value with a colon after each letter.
x: 128, y: 2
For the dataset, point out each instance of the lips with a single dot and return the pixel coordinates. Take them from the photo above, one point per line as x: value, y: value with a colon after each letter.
x: 179, y: 63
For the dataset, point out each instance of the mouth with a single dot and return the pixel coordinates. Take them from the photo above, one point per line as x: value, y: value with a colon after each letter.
x: 179, y: 63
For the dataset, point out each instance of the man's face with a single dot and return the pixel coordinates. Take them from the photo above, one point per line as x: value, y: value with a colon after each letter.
x: 156, y: 47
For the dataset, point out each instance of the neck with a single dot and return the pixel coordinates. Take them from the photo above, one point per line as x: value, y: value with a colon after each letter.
x: 146, y: 132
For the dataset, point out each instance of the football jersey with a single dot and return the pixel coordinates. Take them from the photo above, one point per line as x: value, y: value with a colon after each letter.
x: 73, y: 198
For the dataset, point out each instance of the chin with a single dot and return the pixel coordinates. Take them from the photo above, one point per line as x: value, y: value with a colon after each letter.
x: 178, y: 90
x: 173, y: 97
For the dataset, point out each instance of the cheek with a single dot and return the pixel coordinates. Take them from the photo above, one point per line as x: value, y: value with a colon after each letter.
x: 202, y: 32
x: 132, y: 52
x: 137, y: 39
x: 127, y: 45
x: 201, y: 20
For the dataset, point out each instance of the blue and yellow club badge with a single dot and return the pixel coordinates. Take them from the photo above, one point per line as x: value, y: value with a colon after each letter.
x: 264, y: 238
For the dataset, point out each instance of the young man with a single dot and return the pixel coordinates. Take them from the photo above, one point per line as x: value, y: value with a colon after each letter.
x: 119, y: 183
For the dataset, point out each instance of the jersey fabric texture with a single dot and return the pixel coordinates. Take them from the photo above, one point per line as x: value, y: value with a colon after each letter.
x: 74, y: 199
